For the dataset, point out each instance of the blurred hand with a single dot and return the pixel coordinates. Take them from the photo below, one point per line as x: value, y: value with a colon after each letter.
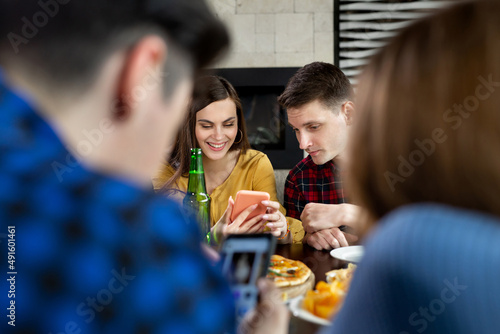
x: 276, y: 221
x: 210, y: 253
x: 270, y: 315
x: 328, y: 239
x: 317, y: 216
x: 225, y: 227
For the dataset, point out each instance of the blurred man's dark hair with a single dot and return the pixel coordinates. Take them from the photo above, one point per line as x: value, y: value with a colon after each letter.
x: 64, y: 42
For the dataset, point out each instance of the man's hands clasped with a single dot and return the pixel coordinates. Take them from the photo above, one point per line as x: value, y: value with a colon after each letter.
x: 321, y: 223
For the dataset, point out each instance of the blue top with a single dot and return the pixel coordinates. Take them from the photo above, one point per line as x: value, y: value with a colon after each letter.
x: 428, y: 268
x: 90, y: 252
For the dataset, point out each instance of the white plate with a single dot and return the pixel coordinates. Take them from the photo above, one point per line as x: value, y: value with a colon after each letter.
x: 350, y: 253
x: 297, y: 310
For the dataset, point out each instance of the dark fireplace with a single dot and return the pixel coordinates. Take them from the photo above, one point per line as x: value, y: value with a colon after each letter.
x: 267, y: 125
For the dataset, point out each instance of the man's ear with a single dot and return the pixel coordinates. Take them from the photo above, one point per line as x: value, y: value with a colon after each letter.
x: 348, y: 111
x: 141, y: 64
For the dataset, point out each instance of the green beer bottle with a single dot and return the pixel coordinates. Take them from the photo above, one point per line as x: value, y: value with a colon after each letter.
x: 197, y: 201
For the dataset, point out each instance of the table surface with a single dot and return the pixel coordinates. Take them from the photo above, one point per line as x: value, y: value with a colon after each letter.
x: 320, y: 262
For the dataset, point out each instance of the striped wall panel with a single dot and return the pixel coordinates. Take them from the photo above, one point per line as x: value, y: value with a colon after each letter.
x: 363, y: 26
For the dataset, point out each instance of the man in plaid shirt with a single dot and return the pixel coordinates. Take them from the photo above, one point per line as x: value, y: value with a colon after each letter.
x: 318, y: 102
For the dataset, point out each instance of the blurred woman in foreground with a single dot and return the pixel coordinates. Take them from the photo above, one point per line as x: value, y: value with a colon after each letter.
x: 429, y: 130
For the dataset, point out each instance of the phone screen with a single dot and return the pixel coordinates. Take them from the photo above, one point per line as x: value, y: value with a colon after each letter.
x: 241, y: 268
x: 245, y: 260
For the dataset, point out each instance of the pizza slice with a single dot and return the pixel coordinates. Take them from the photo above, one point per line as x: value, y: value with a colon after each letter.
x: 286, y: 272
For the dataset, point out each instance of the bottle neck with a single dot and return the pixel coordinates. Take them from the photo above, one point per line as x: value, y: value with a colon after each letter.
x: 196, y: 182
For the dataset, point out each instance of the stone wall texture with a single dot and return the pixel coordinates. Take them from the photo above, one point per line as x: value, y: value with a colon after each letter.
x: 276, y: 33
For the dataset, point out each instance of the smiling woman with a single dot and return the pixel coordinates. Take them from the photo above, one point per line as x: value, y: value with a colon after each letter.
x: 216, y: 131
x: 216, y: 124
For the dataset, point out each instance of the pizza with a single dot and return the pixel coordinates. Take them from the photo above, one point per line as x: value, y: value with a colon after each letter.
x: 286, y: 272
x: 341, y: 275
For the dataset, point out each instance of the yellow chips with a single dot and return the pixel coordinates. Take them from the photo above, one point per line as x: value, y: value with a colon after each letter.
x: 327, y: 299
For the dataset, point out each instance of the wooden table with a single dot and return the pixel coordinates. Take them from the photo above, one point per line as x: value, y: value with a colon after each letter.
x: 320, y: 262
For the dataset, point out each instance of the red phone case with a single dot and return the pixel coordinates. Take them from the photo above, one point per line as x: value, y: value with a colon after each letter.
x: 246, y: 198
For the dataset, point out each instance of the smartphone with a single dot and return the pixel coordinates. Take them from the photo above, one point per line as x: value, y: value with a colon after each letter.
x: 246, y: 198
x: 245, y: 258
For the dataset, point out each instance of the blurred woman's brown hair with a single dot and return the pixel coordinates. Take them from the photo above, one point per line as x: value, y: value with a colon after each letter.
x: 207, y: 89
x: 428, y: 126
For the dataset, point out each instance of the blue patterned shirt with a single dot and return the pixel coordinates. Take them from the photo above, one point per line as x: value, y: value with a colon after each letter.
x: 86, y: 253
x: 428, y: 268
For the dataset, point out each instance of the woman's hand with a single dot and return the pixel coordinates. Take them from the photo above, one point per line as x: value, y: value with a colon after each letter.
x: 225, y: 227
x: 276, y: 220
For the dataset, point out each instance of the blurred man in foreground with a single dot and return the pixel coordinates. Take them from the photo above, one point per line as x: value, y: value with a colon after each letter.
x: 91, y: 95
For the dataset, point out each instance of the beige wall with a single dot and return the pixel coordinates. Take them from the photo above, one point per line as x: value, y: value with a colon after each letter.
x: 276, y: 33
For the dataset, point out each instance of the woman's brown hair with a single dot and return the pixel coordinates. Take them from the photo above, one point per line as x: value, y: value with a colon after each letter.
x: 428, y: 127
x: 207, y: 89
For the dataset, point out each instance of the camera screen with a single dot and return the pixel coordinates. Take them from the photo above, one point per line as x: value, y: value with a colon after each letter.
x: 242, y: 267
x: 245, y: 260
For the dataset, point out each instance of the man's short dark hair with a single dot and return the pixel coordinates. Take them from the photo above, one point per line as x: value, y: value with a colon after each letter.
x: 317, y: 81
x: 64, y: 42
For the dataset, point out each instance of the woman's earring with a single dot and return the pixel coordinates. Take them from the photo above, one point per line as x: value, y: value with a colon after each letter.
x: 241, y: 137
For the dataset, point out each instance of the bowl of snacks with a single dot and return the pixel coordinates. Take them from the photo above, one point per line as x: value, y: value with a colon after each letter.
x: 322, y: 303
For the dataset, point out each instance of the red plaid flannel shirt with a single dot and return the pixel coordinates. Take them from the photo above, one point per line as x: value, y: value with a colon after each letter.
x: 308, y: 182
